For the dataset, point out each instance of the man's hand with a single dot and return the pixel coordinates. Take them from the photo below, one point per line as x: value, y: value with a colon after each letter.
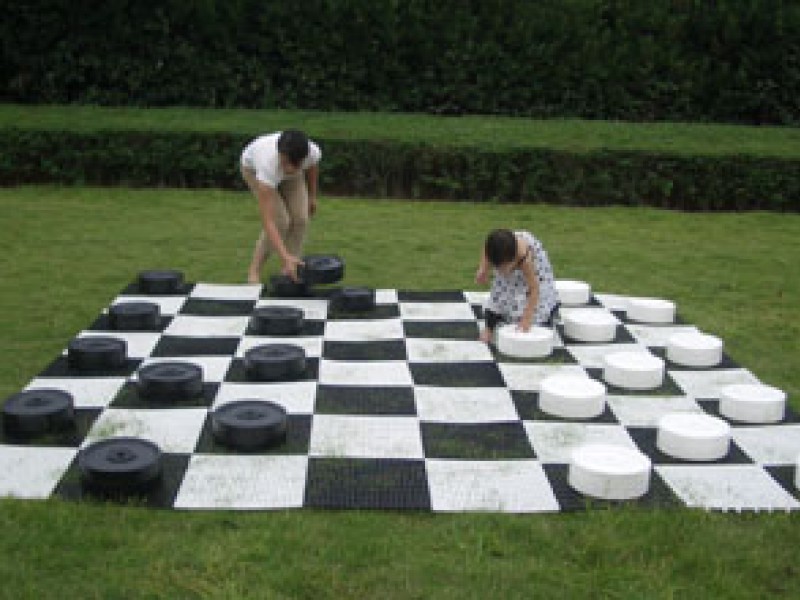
x: 482, y: 276
x: 289, y: 268
x: 312, y: 206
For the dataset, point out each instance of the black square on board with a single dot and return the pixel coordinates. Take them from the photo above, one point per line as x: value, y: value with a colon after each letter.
x: 466, y: 374
x: 366, y: 483
x: 238, y: 374
x: 659, y: 494
x: 368, y: 350
x: 442, y: 330
x: 161, y: 495
x: 646, y: 440
x: 364, y: 400
x: 431, y: 296
x: 70, y: 436
x: 476, y: 441
x: 60, y: 368
x: 129, y: 397
x: 170, y: 346
x: 202, y: 307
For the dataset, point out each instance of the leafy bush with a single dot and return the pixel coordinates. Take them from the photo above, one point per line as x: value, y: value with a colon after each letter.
x: 412, y: 170
x: 685, y: 60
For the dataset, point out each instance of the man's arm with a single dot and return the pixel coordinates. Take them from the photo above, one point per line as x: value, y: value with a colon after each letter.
x: 482, y: 274
x: 312, y: 178
x: 267, y: 198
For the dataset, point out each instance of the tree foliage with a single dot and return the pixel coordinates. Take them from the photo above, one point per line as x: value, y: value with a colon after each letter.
x: 688, y: 60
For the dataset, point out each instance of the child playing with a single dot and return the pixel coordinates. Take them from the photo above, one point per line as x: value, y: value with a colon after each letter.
x: 523, y: 289
x: 282, y: 173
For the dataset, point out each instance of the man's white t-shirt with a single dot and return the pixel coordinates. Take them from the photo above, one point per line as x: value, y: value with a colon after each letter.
x: 261, y: 155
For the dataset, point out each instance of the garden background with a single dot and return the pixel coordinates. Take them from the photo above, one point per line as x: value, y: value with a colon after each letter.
x: 582, y: 120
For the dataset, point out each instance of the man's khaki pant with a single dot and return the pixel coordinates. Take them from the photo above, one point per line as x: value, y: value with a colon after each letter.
x: 290, y: 214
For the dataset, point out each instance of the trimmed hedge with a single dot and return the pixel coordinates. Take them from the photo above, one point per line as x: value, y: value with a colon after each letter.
x: 680, y: 60
x: 408, y: 170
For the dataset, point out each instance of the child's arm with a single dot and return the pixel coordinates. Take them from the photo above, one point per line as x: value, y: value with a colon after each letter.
x: 482, y: 274
x: 532, y: 279
x: 266, y: 206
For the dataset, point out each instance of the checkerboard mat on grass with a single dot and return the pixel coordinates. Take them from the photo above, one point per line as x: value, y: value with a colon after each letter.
x: 399, y: 408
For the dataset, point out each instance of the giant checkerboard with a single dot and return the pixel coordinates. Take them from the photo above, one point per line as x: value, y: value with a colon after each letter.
x: 399, y: 408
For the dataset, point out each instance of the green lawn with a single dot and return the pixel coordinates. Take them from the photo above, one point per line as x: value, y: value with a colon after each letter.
x: 567, y: 135
x: 66, y: 252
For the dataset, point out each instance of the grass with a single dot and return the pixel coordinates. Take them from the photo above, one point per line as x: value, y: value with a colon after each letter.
x: 566, y: 135
x: 66, y: 252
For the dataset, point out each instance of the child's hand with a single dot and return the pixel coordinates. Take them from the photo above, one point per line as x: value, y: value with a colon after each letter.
x: 290, y: 264
x: 482, y: 276
x: 524, y: 325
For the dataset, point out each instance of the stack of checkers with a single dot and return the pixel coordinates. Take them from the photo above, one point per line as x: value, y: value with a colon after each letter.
x: 314, y: 278
x: 209, y: 396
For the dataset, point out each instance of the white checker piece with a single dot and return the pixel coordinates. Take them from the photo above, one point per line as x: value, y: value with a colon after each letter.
x: 537, y: 342
x: 436, y: 311
x: 554, y: 441
x: 752, y: 403
x: 86, y: 392
x: 558, y: 342
x: 243, y: 482
x: 693, y: 437
x: 516, y: 486
x: 174, y: 430
x: 609, y: 472
x: 726, y: 487
x: 573, y: 293
x: 191, y: 326
x: 296, y: 397
x: 381, y: 373
x: 27, y: 472
x: 589, y: 324
x: 436, y: 351
x: 589, y: 311
x: 215, y: 291
x: 651, y: 310
x: 464, y: 405
x: 349, y: 436
x: 364, y: 330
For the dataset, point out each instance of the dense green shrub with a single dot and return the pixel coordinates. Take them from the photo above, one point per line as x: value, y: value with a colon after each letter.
x: 409, y: 170
x: 679, y: 60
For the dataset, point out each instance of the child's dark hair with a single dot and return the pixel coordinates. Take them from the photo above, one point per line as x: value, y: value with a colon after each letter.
x: 294, y: 145
x: 501, y: 247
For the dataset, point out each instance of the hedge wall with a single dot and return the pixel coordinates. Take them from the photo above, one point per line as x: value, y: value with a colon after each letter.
x: 407, y: 170
x: 679, y: 60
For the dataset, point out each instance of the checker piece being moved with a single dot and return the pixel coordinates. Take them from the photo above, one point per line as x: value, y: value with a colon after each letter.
x: 523, y: 288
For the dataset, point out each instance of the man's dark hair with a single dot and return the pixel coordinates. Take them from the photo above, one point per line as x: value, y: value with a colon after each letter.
x: 501, y: 247
x: 294, y: 145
